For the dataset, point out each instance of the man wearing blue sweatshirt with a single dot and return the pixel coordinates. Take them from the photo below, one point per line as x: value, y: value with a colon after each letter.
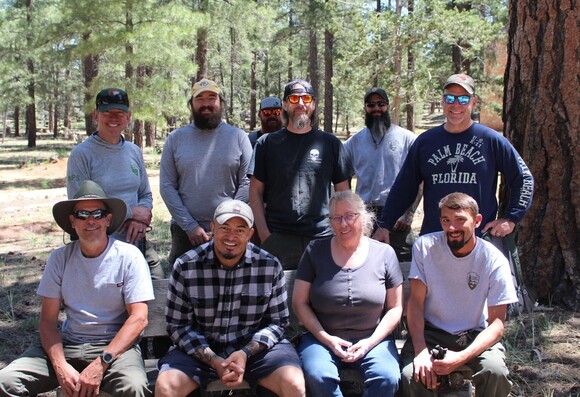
x: 463, y: 156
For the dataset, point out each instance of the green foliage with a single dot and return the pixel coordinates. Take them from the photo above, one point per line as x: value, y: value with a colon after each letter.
x: 148, y: 47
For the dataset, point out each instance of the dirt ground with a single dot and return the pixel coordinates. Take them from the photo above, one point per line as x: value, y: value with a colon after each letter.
x: 543, y: 349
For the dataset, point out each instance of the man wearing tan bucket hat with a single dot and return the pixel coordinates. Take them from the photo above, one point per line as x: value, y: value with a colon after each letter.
x: 103, y: 285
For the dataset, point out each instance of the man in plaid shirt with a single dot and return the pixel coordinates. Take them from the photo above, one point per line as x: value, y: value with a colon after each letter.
x: 226, y: 313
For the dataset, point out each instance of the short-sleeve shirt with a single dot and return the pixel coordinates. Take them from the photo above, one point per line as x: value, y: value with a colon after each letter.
x: 460, y: 289
x: 349, y: 303
x: 298, y: 171
x: 95, y: 291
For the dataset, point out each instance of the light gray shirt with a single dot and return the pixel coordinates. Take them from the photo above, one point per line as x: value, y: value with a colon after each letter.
x: 459, y: 290
x: 377, y: 165
x: 95, y: 291
x: 202, y: 168
x: 118, y: 168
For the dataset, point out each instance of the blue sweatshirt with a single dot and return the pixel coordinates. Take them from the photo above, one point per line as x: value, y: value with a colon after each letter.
x: 467, y: 162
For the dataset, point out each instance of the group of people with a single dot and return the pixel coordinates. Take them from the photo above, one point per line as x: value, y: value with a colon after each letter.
x: 246, y: 208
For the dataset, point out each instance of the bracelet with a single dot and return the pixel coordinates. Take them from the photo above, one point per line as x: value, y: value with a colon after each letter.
x: 247, y: 351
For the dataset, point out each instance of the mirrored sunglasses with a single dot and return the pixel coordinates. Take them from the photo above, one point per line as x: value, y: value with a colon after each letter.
x: 96, y: 214
x: 462, y: 99
x: 269, y: 112
x: 294, y: 99
x: 373, y: 104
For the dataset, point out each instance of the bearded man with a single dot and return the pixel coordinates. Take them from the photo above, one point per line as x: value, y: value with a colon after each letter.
x: 292, y: 172
x: 378, y: 152
x: 460, y: 288
x: 270, y: 115
x: 202, y: 164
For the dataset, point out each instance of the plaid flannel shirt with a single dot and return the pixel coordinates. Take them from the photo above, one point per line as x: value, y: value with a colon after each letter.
x: 210, y: 305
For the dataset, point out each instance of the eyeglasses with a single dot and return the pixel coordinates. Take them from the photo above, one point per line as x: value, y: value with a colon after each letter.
x: 96, y: 214
x: 113, y: 97
x: 373, y: 104
x: 462, y: 99
x: 269, y: 112
x: 348, y: 218
x: 294, y: 99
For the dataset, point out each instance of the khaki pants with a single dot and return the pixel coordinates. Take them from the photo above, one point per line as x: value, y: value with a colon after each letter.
x: 490, y: 373
x: 32, y: 373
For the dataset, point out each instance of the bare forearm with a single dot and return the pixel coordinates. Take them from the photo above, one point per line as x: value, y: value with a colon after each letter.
x: 127, y: 335
x: 387, y: 325
x: 257, y: 205
x: 486, y: 339
x: 51, y: 341
x: 205, y: 355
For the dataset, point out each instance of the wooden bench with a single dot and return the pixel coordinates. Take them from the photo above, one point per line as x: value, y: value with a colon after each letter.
x: 157, y: 327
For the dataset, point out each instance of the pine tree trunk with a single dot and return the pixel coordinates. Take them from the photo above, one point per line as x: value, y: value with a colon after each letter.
x: 542, y: 119
x: 328, y: 74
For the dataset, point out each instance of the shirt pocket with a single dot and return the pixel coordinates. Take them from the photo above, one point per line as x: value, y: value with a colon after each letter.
x: 253, y: 306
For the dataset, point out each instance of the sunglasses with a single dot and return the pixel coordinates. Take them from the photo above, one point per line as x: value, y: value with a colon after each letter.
x: 269, y: 112
x: 462, y: 99
x: 113, y: 97
x: 97, y: 214
x: 294, y: 99
x: 373, y: 104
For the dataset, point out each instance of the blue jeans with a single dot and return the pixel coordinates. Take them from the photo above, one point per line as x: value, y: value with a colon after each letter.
x: 379, y: 368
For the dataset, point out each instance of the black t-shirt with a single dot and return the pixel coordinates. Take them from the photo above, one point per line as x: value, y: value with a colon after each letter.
x: 298, y: 171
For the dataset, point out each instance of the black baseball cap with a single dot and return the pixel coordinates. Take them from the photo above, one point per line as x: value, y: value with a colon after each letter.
x: 112, y: 98
x: 305, y: 88
x: 379, y: 91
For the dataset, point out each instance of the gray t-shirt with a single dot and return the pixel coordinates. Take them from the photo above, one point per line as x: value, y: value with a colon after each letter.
x: 349, y: 303
x: 460, y: 289
x: 94, y: 291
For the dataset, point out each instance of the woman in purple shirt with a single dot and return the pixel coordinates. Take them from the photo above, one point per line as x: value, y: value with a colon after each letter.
x: 348, y: 294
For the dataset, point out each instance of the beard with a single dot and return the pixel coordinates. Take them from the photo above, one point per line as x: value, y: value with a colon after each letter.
x: 301, y: 121
x: 271, y: 124
x: 378, y: 125
x: 456, y: 245
x: 207, y: 122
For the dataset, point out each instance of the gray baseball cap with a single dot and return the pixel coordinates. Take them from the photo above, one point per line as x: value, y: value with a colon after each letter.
x: 462, y: 80
x: 271, y: 102
x: 233, y: 208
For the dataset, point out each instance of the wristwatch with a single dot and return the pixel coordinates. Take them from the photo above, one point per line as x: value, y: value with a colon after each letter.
x: 107, y: 358
x: 247, y: 351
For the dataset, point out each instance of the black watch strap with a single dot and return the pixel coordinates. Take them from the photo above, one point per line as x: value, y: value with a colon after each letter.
x: 247, y: 351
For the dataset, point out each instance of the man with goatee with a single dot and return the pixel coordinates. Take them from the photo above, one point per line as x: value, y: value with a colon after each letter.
x: 378, y: 152
x: 270, y: 115
x: 292, y: 172
x: 202, y: 164
x: 461, y: 286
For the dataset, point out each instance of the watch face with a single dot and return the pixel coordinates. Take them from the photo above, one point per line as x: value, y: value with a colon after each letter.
x: 107, y: 358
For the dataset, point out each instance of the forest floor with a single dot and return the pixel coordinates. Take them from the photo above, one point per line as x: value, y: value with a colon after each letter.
x: 543, y: 348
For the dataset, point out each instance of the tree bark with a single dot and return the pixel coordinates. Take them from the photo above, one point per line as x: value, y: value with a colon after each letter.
x: 410, y: 106
x: 253, y: 90
x: 328, y: 74
x: 542, y: 119
x: 31, y: 107
x: 395, y: 105
x: 90, y: 72
x: 201, y: 50
x: 17, y: 121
